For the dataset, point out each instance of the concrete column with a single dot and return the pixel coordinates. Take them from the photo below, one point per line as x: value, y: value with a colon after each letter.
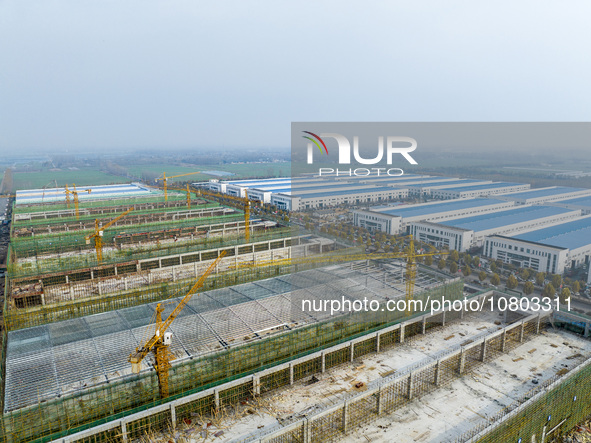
x: 115, y: 268
x: 345, y: 416
x: 424, y: 325
x: 100, y: 289
x: 352, y: 351
x: 159, y: 262
x: 443, y: 318
x: 323, y: 360
x: 173, y: 273
x: 307, y: 431
x: 402, y: 333
x: 410, y: 386
x: 125, y: 282
x: 216, y: 399
x: 291, y: 373
x: 437, y: 376
x: 503, y: 340
x: 378, y: 342
x: 173, y: 415
x: 538, y: 324
x: 68, y: 279
x: 256, y: 384
x: 124, y: 431
x: 522, y: 332
x: 462, y: 362
x: 483, y: 350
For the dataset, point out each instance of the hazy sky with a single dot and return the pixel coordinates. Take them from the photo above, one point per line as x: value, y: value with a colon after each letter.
x: 126, y: 74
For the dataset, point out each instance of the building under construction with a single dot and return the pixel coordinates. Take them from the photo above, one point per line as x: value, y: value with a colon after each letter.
x: 73, y: 311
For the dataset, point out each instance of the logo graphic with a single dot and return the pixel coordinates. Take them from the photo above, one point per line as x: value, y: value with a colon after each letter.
x: 315, y: 142
x: 393, y: 146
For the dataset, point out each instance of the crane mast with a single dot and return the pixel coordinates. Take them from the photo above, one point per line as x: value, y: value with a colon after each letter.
x: 159, y: 343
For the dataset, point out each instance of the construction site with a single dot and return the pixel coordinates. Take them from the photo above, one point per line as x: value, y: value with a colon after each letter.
x: 169, y: 314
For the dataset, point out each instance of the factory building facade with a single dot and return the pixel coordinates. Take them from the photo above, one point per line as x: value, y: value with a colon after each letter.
x: 550, y: 249
x: 468, y: 232
x: 394, y: 220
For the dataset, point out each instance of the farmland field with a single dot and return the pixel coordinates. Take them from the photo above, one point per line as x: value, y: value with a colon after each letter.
x: 82, y: 177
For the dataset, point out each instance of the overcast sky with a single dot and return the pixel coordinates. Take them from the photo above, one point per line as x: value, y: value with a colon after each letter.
x: 120, y: 74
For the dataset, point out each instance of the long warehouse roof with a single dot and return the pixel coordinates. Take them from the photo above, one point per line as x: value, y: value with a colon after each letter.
x: 58, y: 194
x: 454, y: 183
x: 572, y: 234
x: 434, y: 208
x: 346, y: 191
x: 489, y: 186
x: 544, y: 192
x: 505, y: 218
x: 581, y: 201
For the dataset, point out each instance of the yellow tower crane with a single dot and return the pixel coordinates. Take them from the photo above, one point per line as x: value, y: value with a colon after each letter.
x: 159, y: 342
x: 98, y: 235
x: 164, y: 179
x: 245, y: 203
x: 75, y: 194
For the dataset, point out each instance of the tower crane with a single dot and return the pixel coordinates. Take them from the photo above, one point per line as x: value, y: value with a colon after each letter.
x: 98, y: 235
x: 159, y: 342
x: 164, y: 179
x: 75, y: 194
x: 246, y: 205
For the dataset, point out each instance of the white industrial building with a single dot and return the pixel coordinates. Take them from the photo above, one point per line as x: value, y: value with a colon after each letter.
x: 394, y: 220
x: 582, y: 203
x: 545, y: 195
x: 467, y: 232
x: 550, y: 249
x: 479, y: 190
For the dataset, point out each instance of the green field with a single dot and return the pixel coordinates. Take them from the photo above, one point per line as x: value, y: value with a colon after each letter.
x: 90, y: 176
x: 244, y: 170
x: 82, y: 177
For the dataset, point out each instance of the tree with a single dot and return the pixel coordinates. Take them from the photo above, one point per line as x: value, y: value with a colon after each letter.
x: 524, y: 274
x: 429, y: 260
x: 512, y: 282
x: 467, y: 271
x: 467, y: 259
x: 576, y: 286
x: 540, y: 277
x: 528, y: 288
x: 556, y: 280
x: 495, y: 280
x: 476, y: 261
x: 549, y: 290
x: 454, y: 256
x: 453, y: 268
x: 564, y: 295
x: 482, y: 276
x: 441, y: 264
x: 493, y: 266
